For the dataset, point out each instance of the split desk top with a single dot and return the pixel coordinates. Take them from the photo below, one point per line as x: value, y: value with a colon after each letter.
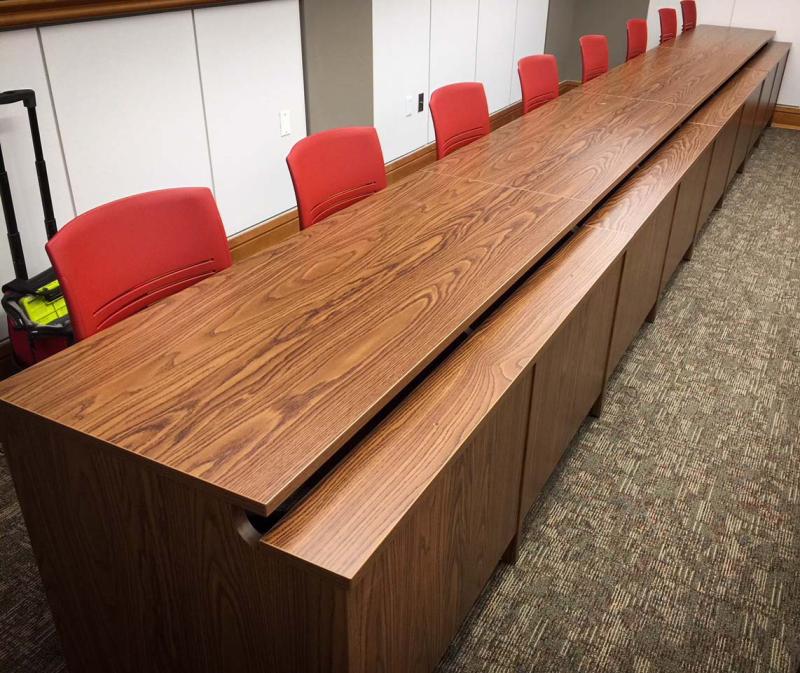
x: 248, y: 382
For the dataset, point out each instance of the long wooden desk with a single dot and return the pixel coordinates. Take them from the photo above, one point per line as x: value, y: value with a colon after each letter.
x: 150, y: 454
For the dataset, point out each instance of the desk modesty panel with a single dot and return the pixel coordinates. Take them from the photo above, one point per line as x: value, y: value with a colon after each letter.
x: 433, y: 349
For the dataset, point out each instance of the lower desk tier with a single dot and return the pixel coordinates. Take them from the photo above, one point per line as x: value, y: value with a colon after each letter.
x: 377, y: 566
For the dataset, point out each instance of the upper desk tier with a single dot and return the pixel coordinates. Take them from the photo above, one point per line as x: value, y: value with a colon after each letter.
x: 249, y: 381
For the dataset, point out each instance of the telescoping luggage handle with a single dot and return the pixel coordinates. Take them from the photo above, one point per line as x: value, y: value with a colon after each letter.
x: 28, y: 98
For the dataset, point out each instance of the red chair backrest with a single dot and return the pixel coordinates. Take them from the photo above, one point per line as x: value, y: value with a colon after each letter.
x: 594, y: 56
x: 460, y: 116
x: 689, y: 11
x: 637, y: 38
x: 538, y: 76
x: 669, y: 23
x: 121, y: 257
x: 334, y: 169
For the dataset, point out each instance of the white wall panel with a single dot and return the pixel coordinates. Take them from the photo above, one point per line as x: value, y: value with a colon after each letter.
x: 654, y: 23
x: 713, y: 12
x: 252, y: 68
x: 529, y: 37
x: 782, y: 16
x: 453, y: 44
x: 400, y: 35
x: 127, y: 96
x: 496, y: 27
x: 21, y: 67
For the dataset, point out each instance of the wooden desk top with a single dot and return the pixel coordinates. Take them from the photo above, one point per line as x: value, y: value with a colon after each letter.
x: 249, y: 381
x: 770, y: 56
x: 685, y: 76
x: 630, y: 205
x: 571, y: 147
x: 338, y: 528
x: 726, y: 102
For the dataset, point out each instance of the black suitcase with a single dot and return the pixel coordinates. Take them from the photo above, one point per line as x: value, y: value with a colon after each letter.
x: 38, y: 321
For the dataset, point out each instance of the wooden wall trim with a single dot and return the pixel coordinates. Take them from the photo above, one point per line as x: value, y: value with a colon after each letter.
x: 786, y: 117
x: 32, y: 13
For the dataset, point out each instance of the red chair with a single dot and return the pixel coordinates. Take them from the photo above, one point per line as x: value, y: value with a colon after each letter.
x: 121, y: 257
x: 334, y: 169
x: 637, y: 38
x: 689, y: 11
x: 669, y: 23
x: 538, y: 76
x: 460, y: 116
x: 594, y: 56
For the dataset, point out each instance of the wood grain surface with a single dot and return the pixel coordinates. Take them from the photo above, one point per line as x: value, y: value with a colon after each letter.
x: 726, y: 102
x: 682, y: 76
x: 748, y: 129
x: 687, y: 207
x: 143, y: 574
x: 296, y: 349
x: 339, y: 528
x: 16, y: 14
x: 579, y: 146
x: 641, y: 277
x: 570, y: 371
x: 247, y: 382
x: 767, y: 58
x: 718, y: 171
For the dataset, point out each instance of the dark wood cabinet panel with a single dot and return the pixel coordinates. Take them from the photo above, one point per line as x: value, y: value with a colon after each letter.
x: 641, y: 278
x: 748, y: 124
x: 568, y: 380
x: 720, y: 165
x: 687, y: 213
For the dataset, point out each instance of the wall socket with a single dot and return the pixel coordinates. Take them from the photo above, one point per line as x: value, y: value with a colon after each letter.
x: 286, y: 123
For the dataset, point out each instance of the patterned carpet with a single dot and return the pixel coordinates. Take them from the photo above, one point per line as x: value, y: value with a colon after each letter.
x: 669, y: 539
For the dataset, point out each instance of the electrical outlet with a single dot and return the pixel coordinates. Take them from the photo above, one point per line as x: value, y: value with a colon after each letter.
x: 409, y: 105
x: 421, y: 102
x: 286, y: 123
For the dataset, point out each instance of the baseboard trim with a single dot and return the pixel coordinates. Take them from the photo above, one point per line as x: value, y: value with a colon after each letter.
x: 786, y: 117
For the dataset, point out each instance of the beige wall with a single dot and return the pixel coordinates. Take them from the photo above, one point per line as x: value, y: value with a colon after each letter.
x: 569, y: 19
x: 337, y: 61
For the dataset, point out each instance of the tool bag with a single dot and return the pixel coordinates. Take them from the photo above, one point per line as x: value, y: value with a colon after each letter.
x: 38, y: 320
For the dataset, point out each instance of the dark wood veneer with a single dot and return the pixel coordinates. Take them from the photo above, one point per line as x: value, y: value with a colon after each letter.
x: 297, y: 348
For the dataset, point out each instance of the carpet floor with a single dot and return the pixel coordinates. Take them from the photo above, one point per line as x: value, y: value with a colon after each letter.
x: 669, y: 538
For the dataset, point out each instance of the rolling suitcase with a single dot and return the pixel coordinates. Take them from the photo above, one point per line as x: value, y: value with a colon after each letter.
x: 38, y: 321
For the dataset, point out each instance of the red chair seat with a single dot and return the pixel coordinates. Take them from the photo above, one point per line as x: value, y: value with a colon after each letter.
x: 669, y: 23
x: 334, y: 169
x: 538, y: 77
x: 637, y: 38
x: 689, y: 11
x: 594, y: 56
x: 460, y: 116
x: 121, y: 257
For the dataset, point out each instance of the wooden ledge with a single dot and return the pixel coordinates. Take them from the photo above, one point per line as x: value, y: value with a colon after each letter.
x: 31, y: 13
x: 632, y: 204
x: 338, y: 529
x: 769, y: 56
x: 724, y: 104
